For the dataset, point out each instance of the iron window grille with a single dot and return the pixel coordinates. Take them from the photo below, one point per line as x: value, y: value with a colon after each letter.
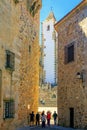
x: 8, y: 109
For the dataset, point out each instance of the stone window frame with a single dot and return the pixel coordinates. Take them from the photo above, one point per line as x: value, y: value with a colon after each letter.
x: 10, y: 60
x: 69, y: 58
x: 9, y: 106
x: 0, y: 85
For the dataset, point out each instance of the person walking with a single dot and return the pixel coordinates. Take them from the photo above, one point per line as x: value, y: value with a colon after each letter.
x: 37, y: 118
x: 32, y: 116
x: 55, y: 115
x: 48, y: 118
x: 43, y: 119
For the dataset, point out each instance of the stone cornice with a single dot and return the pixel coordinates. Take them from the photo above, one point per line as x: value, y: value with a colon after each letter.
x: 70, y: 14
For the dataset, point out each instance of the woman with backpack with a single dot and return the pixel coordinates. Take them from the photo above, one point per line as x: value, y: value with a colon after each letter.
x: 43, y: 119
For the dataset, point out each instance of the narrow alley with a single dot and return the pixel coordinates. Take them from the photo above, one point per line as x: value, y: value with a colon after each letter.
x: 43, y: 64
x: 46, y: 128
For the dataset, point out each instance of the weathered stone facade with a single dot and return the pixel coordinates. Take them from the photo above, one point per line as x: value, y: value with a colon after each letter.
x: 19, y: 40
x: 47, y: 99
x: 72, y: 92
x: 48, y: 96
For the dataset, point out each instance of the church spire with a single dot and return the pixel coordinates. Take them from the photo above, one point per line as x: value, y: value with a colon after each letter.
x: 51, y: 15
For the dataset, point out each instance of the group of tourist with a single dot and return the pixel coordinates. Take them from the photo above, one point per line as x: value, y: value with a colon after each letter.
x: 43, y: 118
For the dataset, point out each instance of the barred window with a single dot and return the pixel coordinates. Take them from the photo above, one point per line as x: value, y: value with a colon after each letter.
x: 8, y: 109
x: 10, y: 60
x: 69, y: 53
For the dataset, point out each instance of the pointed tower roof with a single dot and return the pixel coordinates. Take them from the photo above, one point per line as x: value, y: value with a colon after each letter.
x: 51, y: 16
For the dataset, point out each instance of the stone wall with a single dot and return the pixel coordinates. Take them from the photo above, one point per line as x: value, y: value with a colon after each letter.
x: 19, y: 33
x: 47, y: 96
x: 47, y: 99
x: 72, y: 92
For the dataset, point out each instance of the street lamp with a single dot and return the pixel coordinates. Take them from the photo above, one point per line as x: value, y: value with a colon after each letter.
x: 81, y: 76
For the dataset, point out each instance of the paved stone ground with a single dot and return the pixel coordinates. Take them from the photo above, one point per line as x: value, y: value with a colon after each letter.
x: 47, y: 128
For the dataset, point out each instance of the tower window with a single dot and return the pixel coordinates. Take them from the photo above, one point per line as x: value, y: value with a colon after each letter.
x: 48, y: 27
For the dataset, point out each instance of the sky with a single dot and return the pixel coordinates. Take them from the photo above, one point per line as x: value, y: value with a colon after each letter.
x: 59, y: 7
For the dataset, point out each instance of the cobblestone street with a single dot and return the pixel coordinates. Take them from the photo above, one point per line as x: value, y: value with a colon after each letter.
x: 46, y: 128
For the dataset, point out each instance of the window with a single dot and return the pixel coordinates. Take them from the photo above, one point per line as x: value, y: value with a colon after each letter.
x: 29, y: 48
x: 71, y: 117
x: 48, y: 27
x: 69, y: 53
x: 10, y: 58
x: 8, y: 109
x: 0, y: 85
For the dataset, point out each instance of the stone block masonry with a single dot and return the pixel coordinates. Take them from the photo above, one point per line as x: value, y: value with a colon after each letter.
x: 19, y: 35
x: 72, y: 56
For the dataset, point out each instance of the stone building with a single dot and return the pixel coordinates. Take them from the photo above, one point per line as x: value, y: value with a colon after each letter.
x: 72, y: 67
x: 19, y: 61
x: 47, y: 99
